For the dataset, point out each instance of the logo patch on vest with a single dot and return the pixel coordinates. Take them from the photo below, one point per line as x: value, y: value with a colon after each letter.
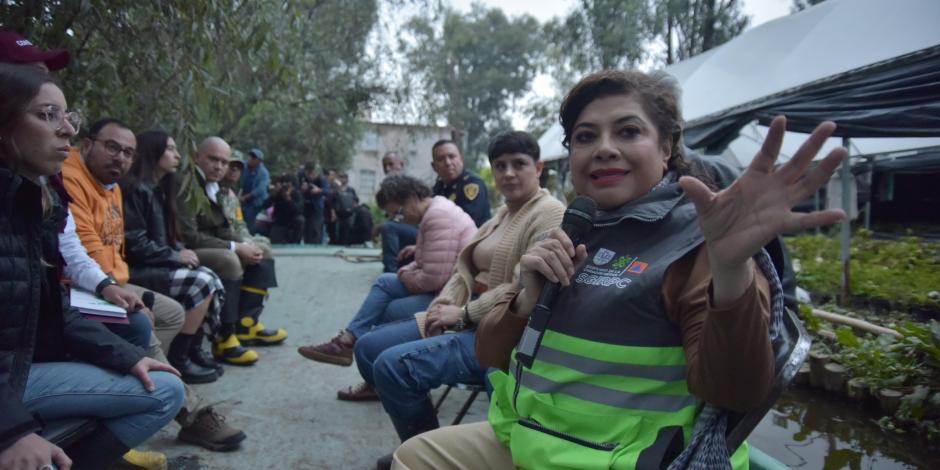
x: 603, y: 256
x: 595, y: 274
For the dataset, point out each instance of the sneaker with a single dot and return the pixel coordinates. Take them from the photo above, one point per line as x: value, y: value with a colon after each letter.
x: 334, y: 351
x: 135, y: 459
x: 251, y: 333
x: 231, y: 351
x: 210, y: 431
x: 361, y: 392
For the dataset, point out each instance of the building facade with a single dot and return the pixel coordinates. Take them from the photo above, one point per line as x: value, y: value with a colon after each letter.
x: 411, y: 142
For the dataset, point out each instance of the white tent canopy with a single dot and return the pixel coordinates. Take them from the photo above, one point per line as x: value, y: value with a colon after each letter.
x: 829, y: 39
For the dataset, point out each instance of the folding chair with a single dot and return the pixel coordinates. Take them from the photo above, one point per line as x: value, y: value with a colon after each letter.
x: 474, y: 390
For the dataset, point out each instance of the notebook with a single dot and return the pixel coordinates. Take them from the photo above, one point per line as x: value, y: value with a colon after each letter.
x: 95, y: 308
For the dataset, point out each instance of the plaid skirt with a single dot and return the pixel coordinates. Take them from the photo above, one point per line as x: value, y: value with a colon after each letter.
x: 191, y: 287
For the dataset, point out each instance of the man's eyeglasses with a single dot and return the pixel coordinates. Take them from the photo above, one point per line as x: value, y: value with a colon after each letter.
x: 113, y: 149
x: 55, y: 118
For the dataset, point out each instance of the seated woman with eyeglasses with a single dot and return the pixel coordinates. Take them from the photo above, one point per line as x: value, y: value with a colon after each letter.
x: 445, y: 229
x: 44, y: 341
x: 55, y: 364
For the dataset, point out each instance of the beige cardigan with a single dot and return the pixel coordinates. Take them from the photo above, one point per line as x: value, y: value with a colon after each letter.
x: 538, y: 216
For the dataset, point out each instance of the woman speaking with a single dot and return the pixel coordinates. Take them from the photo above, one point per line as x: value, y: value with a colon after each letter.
x: 661, y: 309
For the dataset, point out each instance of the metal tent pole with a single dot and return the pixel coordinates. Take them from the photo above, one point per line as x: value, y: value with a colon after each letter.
x: 846, y: 225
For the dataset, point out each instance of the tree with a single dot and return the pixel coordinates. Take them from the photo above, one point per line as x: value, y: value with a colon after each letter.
x: 468, y: 69
x: 690, y: 27
x: 287, y: 76
x: 800, y: 5
x: 597, y: 35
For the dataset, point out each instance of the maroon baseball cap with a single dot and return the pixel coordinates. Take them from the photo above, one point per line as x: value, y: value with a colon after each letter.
x: 15, y: 49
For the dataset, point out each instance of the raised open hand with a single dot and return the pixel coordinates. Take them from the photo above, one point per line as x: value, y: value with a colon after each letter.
x: 744, y: 217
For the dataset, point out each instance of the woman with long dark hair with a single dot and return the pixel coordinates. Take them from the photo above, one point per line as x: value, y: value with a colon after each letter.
x: 55, y: 364
x: 157, y: 258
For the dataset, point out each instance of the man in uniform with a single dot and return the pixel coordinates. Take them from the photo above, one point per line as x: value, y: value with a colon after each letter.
x: 459, y: 185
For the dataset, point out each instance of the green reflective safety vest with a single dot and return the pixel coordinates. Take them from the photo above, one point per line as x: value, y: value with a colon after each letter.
x: 607, y: 388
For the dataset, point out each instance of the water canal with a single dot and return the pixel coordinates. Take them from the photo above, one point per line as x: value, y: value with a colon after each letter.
x: 810, y: 430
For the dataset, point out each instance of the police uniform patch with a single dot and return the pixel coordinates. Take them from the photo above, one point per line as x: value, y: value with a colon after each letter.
x: 471, y: 190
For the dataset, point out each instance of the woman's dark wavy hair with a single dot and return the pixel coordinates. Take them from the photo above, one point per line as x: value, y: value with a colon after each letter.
x: 658, y: 93
x: 399, y: 188
x: 150, y: 148
x: 513, y: 142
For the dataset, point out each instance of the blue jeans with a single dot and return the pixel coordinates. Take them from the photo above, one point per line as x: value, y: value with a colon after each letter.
x: 395, y: 236
x: 137, y: 332
x: 58, y: 390
x: 404, y: 367
x: 388, y: 301
x: 250, y: 213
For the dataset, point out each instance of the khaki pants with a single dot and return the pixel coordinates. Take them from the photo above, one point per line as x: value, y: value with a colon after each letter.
x: 168, y: 313
x: 225, y: 262
x: 463, y: 447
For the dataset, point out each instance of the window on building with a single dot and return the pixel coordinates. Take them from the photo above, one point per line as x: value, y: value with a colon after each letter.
x: 370, y: 140
x: 366, y: 187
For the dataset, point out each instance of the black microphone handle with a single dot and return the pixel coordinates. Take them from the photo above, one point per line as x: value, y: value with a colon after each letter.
x: 148, y: 299
x: 542, y: 313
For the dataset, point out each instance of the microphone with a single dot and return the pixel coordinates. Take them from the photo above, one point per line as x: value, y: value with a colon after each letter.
x: 576, y: 223
x: 148, y: 300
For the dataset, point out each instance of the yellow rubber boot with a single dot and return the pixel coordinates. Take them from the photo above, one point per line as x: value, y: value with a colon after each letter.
x: 230, y: 351
x: 145, y: 459
x: 255, y: 334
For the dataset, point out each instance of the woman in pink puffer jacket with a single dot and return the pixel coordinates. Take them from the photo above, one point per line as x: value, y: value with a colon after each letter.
x: 445, y: 229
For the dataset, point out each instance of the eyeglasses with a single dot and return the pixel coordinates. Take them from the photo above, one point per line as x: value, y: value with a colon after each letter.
x: 55, y: 118
x: 113, y: 149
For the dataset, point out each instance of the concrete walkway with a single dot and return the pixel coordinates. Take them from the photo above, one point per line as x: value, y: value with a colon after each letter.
x: 287, y: 404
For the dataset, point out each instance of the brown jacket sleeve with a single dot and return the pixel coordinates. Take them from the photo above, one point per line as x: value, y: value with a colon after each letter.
x: 728, y: 351
x: 499, y: 331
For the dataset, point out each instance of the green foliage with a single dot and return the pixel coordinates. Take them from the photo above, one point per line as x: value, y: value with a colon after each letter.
x: 690, y: 27
x: 471, y: 67
x: 899, y: 274
x: 800, y: 5
x: 284, y: 76
x: 597, y: 35
x: 909, y: 363
x: 882, y: 361
x: 811, y: 321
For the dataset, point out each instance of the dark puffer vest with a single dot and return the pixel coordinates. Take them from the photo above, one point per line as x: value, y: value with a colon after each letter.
x: 36, y: 322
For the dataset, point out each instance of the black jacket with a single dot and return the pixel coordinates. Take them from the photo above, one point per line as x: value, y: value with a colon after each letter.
x: 36, y: 322
x: 149, y: 252
x: 286, y: 209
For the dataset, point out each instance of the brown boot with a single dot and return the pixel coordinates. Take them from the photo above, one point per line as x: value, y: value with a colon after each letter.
x: 210, y: 431
x: 361, y: 392
x: 338, y: 350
